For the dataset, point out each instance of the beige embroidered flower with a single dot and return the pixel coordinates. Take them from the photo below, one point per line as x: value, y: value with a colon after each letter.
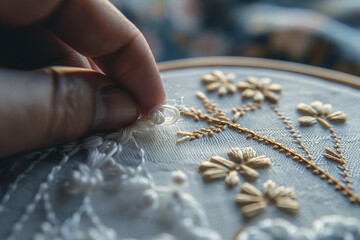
x: 317, y: 112
x: 255, y: 202
x: 218, y: 167
x: 259, y: 89
x: 218, y: 81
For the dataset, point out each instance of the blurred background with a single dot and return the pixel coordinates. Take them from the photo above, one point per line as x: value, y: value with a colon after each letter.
x: 315, y: 32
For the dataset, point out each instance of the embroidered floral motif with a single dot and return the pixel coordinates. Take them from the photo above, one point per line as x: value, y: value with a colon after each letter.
x: 219, y: 122
x: 259, y: 89
x: 255, y: 202
x: 218, y: 81
x: 218, y: 167
x: 317, y: 112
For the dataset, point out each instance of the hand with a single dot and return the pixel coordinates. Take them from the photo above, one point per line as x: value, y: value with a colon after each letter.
x: 112, y: 76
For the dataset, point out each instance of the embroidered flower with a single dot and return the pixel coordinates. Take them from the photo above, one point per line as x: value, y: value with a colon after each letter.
x: 218, y: 167
x: 218, y: 81
x: 317, y: 112
x: 259, y: 89
x: 255, y: 202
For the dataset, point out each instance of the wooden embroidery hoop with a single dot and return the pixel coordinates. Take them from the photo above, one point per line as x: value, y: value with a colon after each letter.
x: 327, y: 74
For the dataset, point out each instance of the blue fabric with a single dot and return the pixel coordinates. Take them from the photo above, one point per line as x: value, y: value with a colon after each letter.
x: 316, y: 197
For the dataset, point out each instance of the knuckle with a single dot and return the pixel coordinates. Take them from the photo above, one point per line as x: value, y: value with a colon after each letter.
x: 72, y: 106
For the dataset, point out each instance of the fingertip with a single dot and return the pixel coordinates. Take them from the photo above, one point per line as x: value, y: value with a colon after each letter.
x: 134, y: 67
x: 115, y: 109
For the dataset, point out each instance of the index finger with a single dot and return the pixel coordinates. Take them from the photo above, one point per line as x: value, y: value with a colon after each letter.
x: 96, y: 29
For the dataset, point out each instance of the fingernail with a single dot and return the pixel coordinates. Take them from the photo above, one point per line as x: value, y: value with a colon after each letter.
x: 115, y: 108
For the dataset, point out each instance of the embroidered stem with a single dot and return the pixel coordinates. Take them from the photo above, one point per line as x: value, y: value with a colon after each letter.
x: 284, y: 118
x: 239, y: 231
x: 338, y: 149
x: 240, y: 111
x: 277, y: 146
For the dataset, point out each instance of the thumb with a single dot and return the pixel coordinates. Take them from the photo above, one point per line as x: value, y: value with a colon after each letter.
x: 58, y: 104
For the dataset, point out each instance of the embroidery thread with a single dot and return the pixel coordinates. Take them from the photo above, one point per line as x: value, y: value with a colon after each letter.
x: 255, y: 202
x: 218, y: 167
x: 220, y: 123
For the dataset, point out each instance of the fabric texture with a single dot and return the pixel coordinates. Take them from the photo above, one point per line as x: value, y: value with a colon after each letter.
x: 162, y: 156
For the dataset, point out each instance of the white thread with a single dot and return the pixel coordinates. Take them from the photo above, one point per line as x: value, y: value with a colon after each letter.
x: 132, y: 181
x: 174, y: 114
x: 159, y: 115
x: 13, y: 186
x: 179, y: 177
x: 29, y: 209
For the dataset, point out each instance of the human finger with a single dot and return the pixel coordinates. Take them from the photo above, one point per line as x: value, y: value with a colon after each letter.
x: 96, y: 29
x: 55, y: 105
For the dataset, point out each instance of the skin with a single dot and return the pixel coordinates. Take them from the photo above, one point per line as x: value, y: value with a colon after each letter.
x: 68, y: 67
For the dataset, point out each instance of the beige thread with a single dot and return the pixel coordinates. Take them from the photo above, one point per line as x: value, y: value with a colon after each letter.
x: 218, y: 81
x: 284, y: 118
x: 316, y: 112
x: 218, y: 167
x: 255, y: 202
x: 277, y: 146
x: 342, y: 162
x: 240, y: 111
x: 259, y: 89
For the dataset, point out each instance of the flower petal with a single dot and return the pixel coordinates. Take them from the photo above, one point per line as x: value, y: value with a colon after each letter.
x: 264, y: 82
x: 223, y: 161
x: 318, y: 106
x: 327, y: 109
x: 253, y: 80
x: 208, y: 79
x: 272, y: 97
x: 231, y: 88
x: 250, y: 189
x: 259, y: 162
x: 222, y: 90
x: 218, y: 74
x: 249, y: 173
x: 337, y: 117
x: 244, y: 85
x: 248, y: 153
x: 307, y: 121
x: 287, y: 204
x: 246, y: 198
x: 235, y: 154
x: 232, y: 179
x: 213, y: 86
x: 274, y: 87
x: 248, y: 93
x: 269, y: 189
x: 284, y: 192
x: 207, y: 165
x: 258, y: 97
x: 230, y: 77
x: 253, y: 209
x: 306, y: 109
x: 213, y: 174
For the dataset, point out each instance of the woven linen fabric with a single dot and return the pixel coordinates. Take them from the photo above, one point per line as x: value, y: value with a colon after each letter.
x: 316, y: 197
